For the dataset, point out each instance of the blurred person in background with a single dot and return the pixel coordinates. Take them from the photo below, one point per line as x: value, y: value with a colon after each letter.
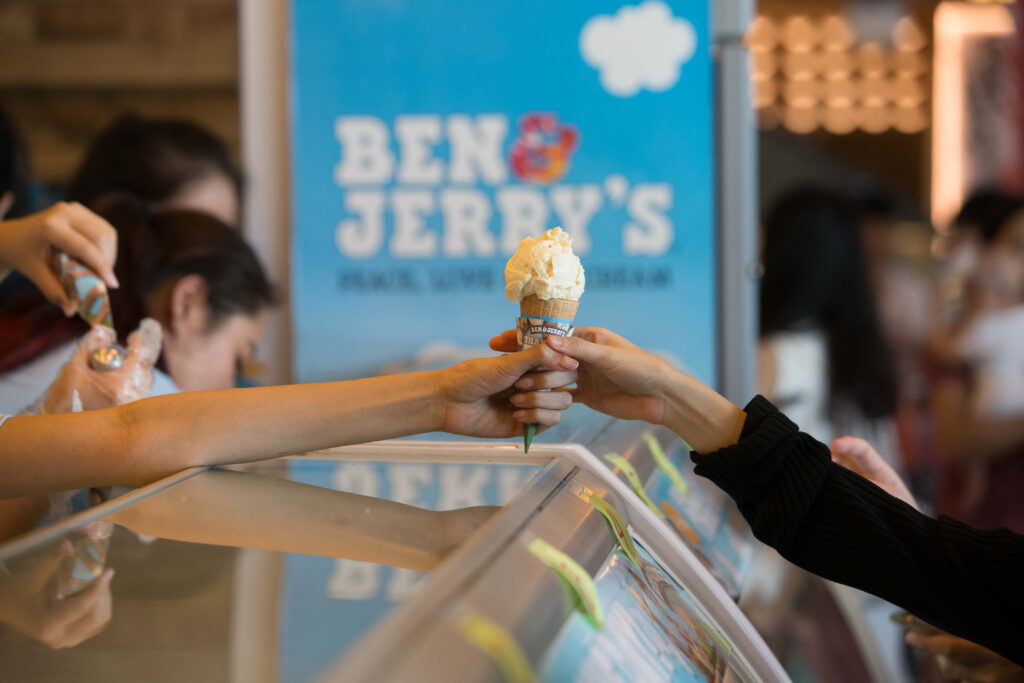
x: 14, y: 170
x: 824, y: 360
x: 165, y: 163
x: 902, y: 288
x: 28, y: 243
x: 822, y: 356
x: 15, y: 180
x: 978, y: 220
x: 978, y: 386
x: 899, y: 265
x: 1010, y: 233
x: 189, y: 271
x: 902, y: 292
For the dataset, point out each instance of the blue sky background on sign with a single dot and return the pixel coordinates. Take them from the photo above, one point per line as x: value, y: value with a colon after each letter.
x: 392, y: 59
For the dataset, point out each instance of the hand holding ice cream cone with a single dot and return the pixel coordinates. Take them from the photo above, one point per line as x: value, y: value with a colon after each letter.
x: 546, y: 278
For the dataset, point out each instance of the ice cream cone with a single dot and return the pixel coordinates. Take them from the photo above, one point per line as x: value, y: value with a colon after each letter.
x: 544, y: 267
x: 560, y: 313
x: 540, y: 318
x: 556, y: 309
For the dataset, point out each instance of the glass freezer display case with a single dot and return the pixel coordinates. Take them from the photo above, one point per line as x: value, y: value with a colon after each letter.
x: 809, y: 623
x: 434, y: 559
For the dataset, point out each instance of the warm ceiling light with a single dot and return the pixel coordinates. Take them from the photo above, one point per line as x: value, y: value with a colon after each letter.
x: 910, y: 120
x: 836, y: 34
x: 874, y: 91
x: 762, y: 35
x: 765, y: 93
x: 874, y: 119
x: 808, y: 74
x: 841, y: 120
x: 798, y: 65
x: 906, y: 92
x: 800, y: 94
x: 840, y: 94
x: 763, y: 66
x: 836, y: 65
x: 871, y: 59
x: 798, y: 34
x: 910, y: 63
x: 800, y: 120
x: 907, y: 36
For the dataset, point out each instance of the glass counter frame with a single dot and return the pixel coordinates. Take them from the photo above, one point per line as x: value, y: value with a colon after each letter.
x: 404, y: 628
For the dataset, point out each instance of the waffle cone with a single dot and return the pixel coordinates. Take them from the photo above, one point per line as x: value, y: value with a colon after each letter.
x: 562, y: 309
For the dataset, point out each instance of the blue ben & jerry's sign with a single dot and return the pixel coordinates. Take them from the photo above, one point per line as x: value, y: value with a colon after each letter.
x: 429, y: 137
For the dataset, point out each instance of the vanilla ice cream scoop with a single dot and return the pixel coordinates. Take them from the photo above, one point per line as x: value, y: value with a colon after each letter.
x: 546, y: 268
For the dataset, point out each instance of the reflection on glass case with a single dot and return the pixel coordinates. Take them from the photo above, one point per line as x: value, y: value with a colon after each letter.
x: 668, y: 634
x: 466, y: 559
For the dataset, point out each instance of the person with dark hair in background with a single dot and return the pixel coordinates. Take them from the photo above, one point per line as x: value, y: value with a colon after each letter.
x: 15, y: 178
x: 977, y: 222
x: 165, y: 163
x: 14, y: 173
x: 900, y: 272
x: 984, y: 212
x: 902, y: 286
x: 822, y: 356
x: 192, y: 273
x: 978, y: 390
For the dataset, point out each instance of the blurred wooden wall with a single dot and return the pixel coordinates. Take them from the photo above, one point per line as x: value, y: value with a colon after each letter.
x: 68, y: 67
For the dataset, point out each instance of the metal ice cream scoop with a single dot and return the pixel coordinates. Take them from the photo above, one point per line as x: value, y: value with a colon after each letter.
x: 107, y: 358
x: 89, y: 294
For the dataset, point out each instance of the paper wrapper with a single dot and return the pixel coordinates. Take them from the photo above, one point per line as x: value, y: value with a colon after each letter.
x: 86, y: 563
x: 539, y: 318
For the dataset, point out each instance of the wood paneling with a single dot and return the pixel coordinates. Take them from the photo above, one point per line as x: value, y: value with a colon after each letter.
x: 69, y: 67
x: 118, y: 43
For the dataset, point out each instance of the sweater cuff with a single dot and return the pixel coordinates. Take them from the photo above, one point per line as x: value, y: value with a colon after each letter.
x: 757, y: 410
x: 745, y: 468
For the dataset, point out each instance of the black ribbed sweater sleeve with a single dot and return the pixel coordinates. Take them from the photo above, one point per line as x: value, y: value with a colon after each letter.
x: 836, y: 524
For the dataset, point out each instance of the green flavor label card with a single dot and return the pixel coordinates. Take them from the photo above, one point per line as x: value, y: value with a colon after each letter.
x: 634, y: 481
x: 615, y: 522
x: 665, y: 464
x: 580, y: 583
x: 497, y: 643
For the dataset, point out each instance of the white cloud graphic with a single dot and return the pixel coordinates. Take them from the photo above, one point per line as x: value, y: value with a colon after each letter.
x: 641, y: 47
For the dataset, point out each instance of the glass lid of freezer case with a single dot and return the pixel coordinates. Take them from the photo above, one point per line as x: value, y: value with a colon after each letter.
x: 268, y: 572
x: 654, y: 630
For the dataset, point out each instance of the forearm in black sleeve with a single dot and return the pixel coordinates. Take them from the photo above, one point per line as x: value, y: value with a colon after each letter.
x: 832, y: 522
